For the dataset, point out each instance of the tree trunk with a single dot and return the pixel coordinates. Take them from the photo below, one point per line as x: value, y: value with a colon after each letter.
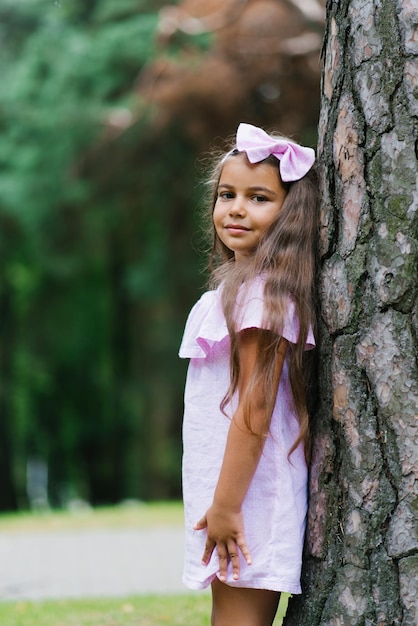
x: 362, y: 539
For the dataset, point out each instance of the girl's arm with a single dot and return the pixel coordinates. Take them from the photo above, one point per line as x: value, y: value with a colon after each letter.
x: 224, y: 520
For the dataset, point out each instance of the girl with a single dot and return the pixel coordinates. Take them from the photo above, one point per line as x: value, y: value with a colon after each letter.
x: 246, y: 423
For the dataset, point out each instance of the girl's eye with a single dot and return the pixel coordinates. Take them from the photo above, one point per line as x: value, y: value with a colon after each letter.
x: 259, y: 198
x: 226, y: 195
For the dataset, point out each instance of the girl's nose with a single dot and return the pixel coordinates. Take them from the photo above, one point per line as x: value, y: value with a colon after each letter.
x: 237, y: 207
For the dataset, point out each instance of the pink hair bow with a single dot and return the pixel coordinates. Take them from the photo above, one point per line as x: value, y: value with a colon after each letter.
x: 295, y: 160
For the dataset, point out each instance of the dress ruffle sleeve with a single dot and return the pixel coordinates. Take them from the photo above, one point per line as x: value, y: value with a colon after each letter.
x: 206, y: 324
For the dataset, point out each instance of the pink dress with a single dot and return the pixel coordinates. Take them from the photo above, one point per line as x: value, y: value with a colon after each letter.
x: 275, y: 505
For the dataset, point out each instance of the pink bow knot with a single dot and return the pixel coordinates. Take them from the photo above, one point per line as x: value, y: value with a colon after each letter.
x: 295, y: 160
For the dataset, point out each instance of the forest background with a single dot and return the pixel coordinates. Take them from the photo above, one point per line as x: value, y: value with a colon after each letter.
x: 106, y: 108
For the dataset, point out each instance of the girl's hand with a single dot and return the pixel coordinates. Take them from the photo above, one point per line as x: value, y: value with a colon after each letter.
x: 225, y: 530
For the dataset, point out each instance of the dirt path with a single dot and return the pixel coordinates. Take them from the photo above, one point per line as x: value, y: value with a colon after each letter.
x: 90, y: 563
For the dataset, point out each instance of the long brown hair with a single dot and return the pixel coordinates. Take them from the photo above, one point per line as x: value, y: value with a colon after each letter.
x: 286, y: 259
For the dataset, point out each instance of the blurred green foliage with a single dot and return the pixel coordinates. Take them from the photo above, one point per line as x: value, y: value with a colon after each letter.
x: 105, y: 106
x: 97, y: 267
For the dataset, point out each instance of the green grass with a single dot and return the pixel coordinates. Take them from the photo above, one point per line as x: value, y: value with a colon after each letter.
x: 192, y: 610
x: 189, y: 609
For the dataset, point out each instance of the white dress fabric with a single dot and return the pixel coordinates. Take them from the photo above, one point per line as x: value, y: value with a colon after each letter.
x: 275, y: 505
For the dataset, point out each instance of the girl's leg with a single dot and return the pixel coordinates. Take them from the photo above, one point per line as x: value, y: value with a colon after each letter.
x: 237, y: 606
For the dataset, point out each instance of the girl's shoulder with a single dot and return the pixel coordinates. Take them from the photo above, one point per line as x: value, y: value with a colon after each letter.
x: 251, y: 312
x: 206, y: 324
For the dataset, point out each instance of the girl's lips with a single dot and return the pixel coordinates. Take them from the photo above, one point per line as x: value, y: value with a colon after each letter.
x: 236, y: 228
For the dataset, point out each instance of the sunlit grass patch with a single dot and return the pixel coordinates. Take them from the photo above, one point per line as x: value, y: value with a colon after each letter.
x: 132, y: 515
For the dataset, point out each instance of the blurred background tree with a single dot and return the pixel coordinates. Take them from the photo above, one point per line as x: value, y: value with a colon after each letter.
x: 105, y: 107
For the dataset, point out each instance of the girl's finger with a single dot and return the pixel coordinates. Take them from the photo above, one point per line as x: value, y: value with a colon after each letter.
x: 234, y: 558
x: 209, y: 548
x: 223, y: 562
x: 245, y: 552
x: 201, y: 524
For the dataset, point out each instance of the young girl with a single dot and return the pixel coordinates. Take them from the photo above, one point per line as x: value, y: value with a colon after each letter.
x: 246, y: 422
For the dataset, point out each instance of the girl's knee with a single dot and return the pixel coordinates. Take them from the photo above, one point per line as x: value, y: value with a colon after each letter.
x: 238, y: 606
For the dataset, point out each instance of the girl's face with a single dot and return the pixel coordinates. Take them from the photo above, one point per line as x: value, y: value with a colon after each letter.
x: 249, y: 199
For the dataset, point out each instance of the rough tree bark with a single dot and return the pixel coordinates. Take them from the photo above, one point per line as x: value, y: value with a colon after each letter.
x: 362, y: 539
